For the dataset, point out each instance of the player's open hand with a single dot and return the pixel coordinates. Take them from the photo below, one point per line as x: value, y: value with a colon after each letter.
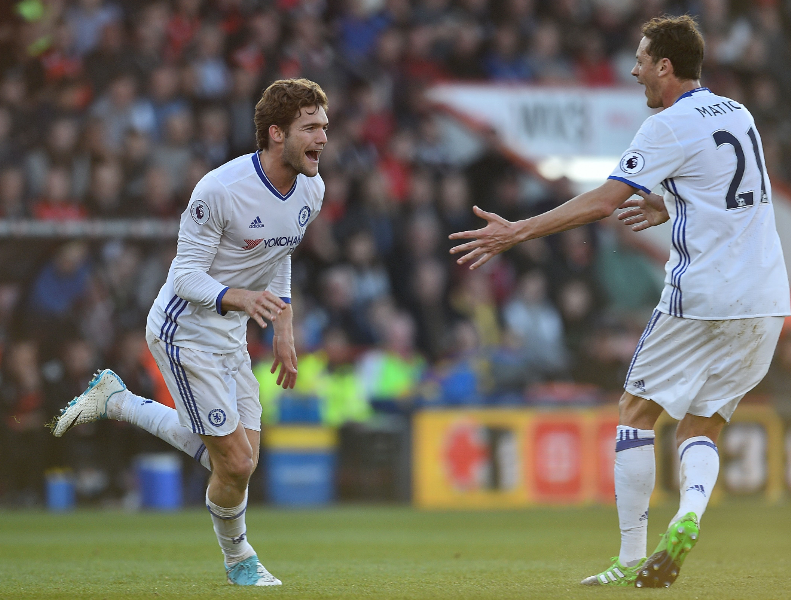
x: 258, y: 305
x: 498, y: 236
x: 285, y: 352
x: 645, y: 212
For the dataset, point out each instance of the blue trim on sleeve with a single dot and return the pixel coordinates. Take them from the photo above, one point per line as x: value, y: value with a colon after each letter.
x: 631, y: 183
x: 219, y: 302
x: 286, y: 300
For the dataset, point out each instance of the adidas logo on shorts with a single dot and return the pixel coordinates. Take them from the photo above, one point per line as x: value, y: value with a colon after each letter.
x: 639, y: 384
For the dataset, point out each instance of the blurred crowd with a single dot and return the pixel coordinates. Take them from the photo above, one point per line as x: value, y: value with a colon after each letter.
x: 115, y: 109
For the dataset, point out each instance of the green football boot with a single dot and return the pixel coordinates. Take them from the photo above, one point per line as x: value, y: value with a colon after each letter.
x: 617, y: 574
x: 662, y: 567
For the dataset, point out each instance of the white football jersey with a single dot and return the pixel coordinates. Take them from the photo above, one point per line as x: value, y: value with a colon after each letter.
x: 238, y: 231
x: 725, y: 261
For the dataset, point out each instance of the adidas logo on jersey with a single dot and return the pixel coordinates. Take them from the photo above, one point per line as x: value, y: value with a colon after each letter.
x: 256, y: 223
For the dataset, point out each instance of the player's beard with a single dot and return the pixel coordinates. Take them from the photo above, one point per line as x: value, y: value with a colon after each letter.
x: 652, y: 101
x: 294, y: 157
x: 653, y: 98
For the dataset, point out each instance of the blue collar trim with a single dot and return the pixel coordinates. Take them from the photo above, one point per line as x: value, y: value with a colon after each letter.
x: 265, y: 180
x: 690, y: 92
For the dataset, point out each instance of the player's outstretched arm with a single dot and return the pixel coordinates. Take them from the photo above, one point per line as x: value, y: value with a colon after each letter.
x: 499, y: 234
x: 646, y: 212
x: 258, y: 305
x: 284, y: 350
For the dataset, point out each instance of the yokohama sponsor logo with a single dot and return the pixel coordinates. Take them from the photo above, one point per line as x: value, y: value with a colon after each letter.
x: 273, y: 242
x: 283, y: 241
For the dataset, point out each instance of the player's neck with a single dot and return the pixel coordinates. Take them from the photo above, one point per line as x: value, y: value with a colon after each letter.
x: 677, y: 89
x: 277, y: 172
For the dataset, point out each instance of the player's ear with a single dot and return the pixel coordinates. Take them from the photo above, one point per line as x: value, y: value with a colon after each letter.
x: 277, y: 134
x: 665, y: 66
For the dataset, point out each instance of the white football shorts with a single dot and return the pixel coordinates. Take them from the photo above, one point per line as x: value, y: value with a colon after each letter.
x: 701, y: 367
x: 212, y: 392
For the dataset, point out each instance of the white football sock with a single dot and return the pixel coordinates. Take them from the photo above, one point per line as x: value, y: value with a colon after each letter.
x: 635, y: 469
x: 229, y: 525
x: 698, y: 470
x: 160, y: 420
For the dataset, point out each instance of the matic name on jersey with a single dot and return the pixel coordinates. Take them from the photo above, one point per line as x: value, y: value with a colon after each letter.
x: 237, y: 232
x: 725, y: 261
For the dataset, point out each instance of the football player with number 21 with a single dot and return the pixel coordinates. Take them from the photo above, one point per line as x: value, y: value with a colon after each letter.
x: 243, y: 222
x: 712, y: 336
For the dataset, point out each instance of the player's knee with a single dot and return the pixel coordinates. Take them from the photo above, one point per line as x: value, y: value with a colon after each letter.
x: 693, y: 426
x: 236, y: 468
x: 628, y: 409
x: 634, y: 411
x: 241, y: 469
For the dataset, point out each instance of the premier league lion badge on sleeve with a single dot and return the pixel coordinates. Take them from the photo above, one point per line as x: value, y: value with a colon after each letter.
x: 199, y: 211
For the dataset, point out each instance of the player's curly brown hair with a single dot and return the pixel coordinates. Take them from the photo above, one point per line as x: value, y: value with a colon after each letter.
x: 677, y: 39
x: 281, y: 103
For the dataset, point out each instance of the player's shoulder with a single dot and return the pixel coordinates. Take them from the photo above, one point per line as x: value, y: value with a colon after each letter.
x: 659, y: 128
x: 700, y: 107
x: 314, y: 186
x: 233, y: 171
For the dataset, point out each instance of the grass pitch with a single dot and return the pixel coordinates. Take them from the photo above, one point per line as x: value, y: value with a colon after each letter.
x: 383, y: 553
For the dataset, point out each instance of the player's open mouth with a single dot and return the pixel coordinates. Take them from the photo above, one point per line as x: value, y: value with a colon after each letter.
x: 313, y: 155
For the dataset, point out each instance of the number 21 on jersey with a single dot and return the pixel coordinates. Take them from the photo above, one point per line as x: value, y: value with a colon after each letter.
x: 734, y: 198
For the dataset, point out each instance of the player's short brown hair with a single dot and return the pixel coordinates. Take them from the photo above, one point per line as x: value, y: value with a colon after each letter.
x: 281, y: 104
x: 677, y: 39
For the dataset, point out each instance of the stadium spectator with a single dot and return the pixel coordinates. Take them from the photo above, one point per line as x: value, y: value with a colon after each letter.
x: 6, y: 142
x: 506, y: 61
x: 24, y: 413
x: 56, y: 202
x: 428, y: 305
x: 208, y: 75
x: 60, y: 149
x: 242, y: 104
x: 158, y: 199
x: 12, y: 193
x: 163, y: 88
x: 87, y: 19
x: 121, y: 109
x: 537, y: 327
x: 105, y: 195
x: 58, y: 288
x: 110, y: 56
x: 135, y: 159
x: 211, y: 143
x: 392, y: 372
x: 174, y: 153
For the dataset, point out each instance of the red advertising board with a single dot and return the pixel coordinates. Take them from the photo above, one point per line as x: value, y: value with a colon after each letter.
x: 557, y: 460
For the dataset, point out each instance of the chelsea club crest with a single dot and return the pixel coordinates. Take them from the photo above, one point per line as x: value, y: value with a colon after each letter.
x: 217, y: 417
x: 304, y: 215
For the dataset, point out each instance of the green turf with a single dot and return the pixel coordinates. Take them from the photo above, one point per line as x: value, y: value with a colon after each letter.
x: 382, y: 553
